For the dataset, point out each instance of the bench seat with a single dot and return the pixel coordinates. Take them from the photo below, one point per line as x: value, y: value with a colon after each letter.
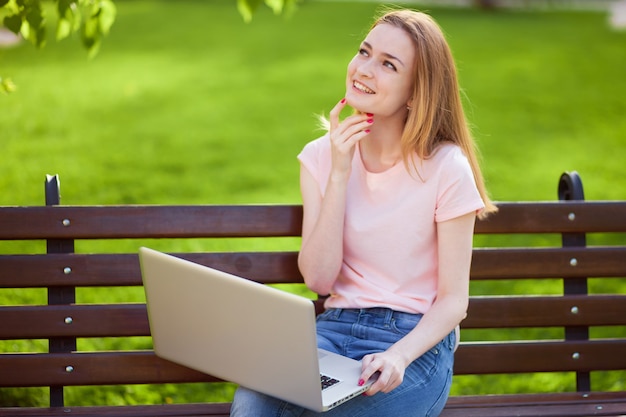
x: 519, y: 405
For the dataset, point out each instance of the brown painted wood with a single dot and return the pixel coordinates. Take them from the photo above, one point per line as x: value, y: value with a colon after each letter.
x: 505, y: 263
x: 31, y: 271
x: 124, y: 320
x: 112, y: 270
x: 554, y: 217
x: 546, y: 311
x: 122, y: 222
x: 119, y: 222
x: 531, y: 356
x: 101, y: 368
x: 107, y: 368
x: 70, y: 321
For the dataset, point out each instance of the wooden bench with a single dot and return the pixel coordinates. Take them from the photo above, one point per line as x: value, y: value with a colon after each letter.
x: 565, y: 262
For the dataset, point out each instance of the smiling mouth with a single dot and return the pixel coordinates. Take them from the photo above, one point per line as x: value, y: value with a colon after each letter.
x: 363, y: 88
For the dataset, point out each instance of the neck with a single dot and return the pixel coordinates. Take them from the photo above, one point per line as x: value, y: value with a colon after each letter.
x: 380, y: 150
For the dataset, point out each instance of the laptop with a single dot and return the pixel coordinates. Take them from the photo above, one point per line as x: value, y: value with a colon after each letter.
x: 238, y: 330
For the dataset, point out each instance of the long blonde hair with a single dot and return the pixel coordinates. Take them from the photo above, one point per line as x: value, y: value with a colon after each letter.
x: 436, y: 113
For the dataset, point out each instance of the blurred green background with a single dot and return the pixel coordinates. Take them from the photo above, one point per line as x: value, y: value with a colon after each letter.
x: 186, y: 104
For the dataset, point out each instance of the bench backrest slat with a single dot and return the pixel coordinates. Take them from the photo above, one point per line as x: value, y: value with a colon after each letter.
x: 31, y: 271
x: 93, y: 270
x: 82, y: 320
x: 556, y: 217
x: 522, y: 357
x: 124, y: 320
x: 548, y: 262
x: 43, y: 322
x: 121, y: 222
x: 127, y: 222
x: 103, y: 368
x: 144, y: 367
x: 547, y: 311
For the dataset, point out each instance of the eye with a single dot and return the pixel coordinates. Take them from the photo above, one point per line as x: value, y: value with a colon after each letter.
x: 390, y: 65
x: 363, y: 52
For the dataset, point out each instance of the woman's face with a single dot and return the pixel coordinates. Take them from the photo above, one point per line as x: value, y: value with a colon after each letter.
x: 380, y: 76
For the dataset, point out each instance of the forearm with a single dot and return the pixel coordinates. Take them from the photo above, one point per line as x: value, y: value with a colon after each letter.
x: 444, y: 315
x: 321, y: 253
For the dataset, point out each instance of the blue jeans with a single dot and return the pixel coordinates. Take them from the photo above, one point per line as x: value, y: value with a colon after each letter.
x: 356, y: 333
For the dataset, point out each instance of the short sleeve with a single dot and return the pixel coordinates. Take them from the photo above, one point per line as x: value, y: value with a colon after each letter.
x: 315, y: 157
x: 457, y: 192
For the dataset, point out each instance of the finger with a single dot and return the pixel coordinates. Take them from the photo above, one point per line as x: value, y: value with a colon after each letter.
x: 350, y: 130
x: 381, y: 384
x: 368, y: 369
x: 354, y: 125
x: 334, y: 113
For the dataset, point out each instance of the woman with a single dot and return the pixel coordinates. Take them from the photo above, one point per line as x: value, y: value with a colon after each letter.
x: 390, y: 198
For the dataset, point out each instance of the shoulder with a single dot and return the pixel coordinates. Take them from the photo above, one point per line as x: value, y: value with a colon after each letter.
x: 447, y: 159
x: 449, y: 152
x: 315, y: 158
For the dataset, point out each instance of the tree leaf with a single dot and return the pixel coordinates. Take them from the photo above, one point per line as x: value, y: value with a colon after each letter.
x: 247, y: 7
x: 64, y: 8
x: 64, y: 28
x: 106, y: 16
x: 34, y: 17
x: 2, y: 4
x: 276, y: 5
x: 7, y: 86
x: 13, y: 23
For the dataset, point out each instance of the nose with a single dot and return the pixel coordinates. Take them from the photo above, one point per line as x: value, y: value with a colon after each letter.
x: 365, y: 68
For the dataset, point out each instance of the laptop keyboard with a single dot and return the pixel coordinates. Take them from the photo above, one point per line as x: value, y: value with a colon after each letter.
x: 327, y: 381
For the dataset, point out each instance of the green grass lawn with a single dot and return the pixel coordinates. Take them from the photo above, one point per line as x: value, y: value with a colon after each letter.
x: 186, y: 104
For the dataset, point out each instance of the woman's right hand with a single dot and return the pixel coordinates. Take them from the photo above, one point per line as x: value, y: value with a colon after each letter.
x: 344, y: 136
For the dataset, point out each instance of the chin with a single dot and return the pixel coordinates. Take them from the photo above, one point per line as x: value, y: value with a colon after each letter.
x: 360, y: 107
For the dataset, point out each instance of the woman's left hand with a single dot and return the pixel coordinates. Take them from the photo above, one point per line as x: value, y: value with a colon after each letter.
x: 387, y: 367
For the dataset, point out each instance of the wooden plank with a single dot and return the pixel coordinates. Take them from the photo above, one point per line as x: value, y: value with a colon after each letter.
x: 102, y: 368
x: 43, y: 322
x: 574, y: 409
x: 125, y: 320
x: 528, y: 357
x: 110, y: 368
x: 545, y: 311
x: 88, y: 320
x: 31, y: 271
x: 555, y: 404
x: 140, y: 221
x: 576, y: 404
x: 121, y: 222
x: 160, y: 410
x: 555, y: 217
x: 595, y: 397
x: 503, y: 263
x: 561, y: 404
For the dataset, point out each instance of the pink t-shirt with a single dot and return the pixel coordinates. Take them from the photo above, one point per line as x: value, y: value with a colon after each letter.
x: 390, y: 235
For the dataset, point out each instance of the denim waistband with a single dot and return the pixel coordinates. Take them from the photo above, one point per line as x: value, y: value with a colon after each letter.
x: 380, y: 313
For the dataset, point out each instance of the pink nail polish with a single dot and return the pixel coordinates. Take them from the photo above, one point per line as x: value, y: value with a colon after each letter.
x: 370, y: 121
x: 343, y: 101
x: 369, y: 114
x: 361, y: 382
x: 367, y: 131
